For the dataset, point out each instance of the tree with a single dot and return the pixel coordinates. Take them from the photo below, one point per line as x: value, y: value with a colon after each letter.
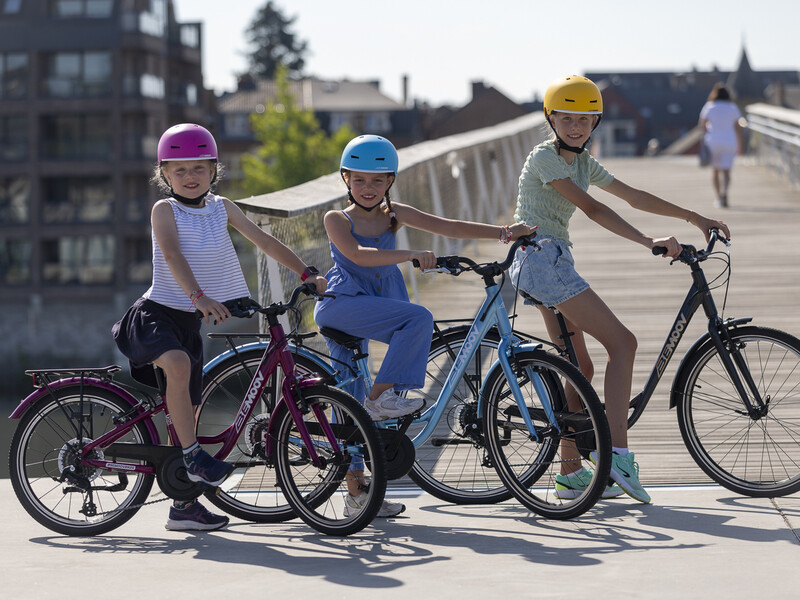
x: 274, y: 44
x: 294, y: 149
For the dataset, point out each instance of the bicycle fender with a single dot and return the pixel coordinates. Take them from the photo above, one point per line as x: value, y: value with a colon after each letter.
x: 262, y: 345
x: 110, y: 386
x: 703, y: 339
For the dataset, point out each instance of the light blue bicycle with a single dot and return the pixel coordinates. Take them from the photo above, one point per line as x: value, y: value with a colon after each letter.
x: 502, y: 417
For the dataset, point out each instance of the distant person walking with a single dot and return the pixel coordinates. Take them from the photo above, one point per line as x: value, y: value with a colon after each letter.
x: 720, y: 119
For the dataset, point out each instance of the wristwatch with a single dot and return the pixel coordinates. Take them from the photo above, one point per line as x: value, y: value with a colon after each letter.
x: 309, y: 272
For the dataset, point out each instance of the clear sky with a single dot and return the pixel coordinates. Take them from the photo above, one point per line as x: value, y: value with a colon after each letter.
x: 516, y: 46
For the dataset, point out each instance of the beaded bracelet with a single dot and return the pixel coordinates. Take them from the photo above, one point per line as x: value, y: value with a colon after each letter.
x: 505, y: 234
x: 195, y: 296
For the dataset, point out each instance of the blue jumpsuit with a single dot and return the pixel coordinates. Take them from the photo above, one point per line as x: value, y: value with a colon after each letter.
x: 372, y: 303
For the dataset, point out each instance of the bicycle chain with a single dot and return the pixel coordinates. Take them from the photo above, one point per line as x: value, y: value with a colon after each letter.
x: 134, y: 507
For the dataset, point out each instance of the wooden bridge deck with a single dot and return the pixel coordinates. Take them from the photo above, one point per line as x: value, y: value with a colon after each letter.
x: 646, y: 292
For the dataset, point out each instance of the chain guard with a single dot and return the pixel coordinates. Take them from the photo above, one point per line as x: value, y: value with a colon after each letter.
x: 172, y: 479
x: 399, y: 456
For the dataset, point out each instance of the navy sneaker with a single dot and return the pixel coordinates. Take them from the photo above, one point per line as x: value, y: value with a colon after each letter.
x: 194, y: 517
x: 204, y: 468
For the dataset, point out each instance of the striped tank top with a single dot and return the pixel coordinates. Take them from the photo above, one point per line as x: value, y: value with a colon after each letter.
x: 207, y: 247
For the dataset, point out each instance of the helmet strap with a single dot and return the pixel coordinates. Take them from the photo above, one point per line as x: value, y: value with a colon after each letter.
x: 189, y: 201
x: 562, y: 145
x: 368, y: 209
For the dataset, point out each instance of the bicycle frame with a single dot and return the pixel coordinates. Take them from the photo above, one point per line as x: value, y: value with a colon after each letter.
x: 276, y: 354
x: 699, y: 294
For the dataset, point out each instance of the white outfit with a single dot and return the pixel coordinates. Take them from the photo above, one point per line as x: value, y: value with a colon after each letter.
x: 207, y: 247
x: 721, y: 117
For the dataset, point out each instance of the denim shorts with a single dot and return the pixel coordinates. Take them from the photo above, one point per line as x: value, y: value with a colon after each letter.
x: 548, y: 275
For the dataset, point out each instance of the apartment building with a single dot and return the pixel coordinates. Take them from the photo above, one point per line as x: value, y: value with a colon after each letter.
x: 86, y: 88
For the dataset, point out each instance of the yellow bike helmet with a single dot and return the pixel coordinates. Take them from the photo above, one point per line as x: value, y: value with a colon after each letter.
x: 573, y: 94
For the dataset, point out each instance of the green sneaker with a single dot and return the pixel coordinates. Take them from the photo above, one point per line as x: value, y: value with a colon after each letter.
x: 570, y: 487
x: 625, y: 471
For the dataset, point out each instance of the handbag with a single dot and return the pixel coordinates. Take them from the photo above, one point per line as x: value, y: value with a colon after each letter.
x: 704, y: 155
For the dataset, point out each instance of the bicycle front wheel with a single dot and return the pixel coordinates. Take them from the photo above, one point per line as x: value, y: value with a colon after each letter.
x: 757, y: 452
x: 48, y: 473
x: 317, y: 492
x: 569, y: 424
x: 251, y: 492
x: 452, y: 462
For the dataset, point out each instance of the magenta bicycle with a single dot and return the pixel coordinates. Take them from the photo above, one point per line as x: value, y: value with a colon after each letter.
x: 87, y: 449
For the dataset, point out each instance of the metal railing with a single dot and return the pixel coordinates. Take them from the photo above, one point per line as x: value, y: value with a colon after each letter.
x: 472, y: 176
x: 775, y: 138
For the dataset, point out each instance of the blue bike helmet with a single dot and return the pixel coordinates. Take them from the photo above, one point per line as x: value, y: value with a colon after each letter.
x: 369, y: 154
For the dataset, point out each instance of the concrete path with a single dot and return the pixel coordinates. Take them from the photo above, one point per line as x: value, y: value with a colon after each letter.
x: 694, y: 541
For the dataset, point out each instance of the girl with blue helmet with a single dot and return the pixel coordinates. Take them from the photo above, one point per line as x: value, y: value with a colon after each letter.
x: 368, y: 293
x: 554, y: 182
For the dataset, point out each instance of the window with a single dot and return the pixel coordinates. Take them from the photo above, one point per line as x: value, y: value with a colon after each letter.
x: 11, y: 7
x: 14, y: 138
x: 190, y: 35
x: 378, y: 122
x: 139, y: 260
x: 15, y: 261
x: 83, y: 260
x: 151, y: 86
x: 78, y: 75
x: 77, y: 200
x: 237, y: 125
x: 13, y: 75
x: 137, y: 202
x: 15, y: 196
x: 77, y: 137
x: 72, y: 9
x: 154, y: 21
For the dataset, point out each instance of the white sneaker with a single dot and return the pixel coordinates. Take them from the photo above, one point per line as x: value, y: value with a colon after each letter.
x: 389, y: 405
x: 390, y: 509
x: 353, y: 504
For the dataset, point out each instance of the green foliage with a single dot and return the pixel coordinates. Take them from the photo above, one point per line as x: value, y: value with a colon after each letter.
x: 294, y: 149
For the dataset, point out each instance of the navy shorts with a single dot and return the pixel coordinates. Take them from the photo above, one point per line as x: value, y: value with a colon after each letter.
x: 549, y: 274
x: 150, y: 329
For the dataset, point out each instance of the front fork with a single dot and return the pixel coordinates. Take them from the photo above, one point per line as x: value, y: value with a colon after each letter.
x: 737, y: 369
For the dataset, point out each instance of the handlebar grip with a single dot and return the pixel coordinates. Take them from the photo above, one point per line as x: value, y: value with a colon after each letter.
x: 415, y: 262
x: 657, y: 250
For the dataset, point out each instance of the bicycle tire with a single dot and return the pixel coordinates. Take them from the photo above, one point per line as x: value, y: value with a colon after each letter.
x: 251, y: 492
x: 528, y: 466
x: 753, y: 455
x: 453, y: 463
x: 323, y: 506
x: 45, y: 446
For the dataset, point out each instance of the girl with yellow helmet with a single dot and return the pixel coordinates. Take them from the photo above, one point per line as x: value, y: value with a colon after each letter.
x: 553, y: 183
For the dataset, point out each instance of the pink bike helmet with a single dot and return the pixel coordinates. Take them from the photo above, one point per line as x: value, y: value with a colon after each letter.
x: 187, y: 141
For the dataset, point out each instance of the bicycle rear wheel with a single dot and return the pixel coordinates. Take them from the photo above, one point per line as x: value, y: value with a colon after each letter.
x: 527, y: 464
x: 49, y: 476
x: 453, y: 464
x: 758, y: 453
x: 251, y: 492
x: 322, y: 505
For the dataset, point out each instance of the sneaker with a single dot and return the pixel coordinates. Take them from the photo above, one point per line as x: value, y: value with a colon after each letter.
x: 352, y: 504
x: 204, y: 468
x: 568, y: 488
x: 625, y: 471
x: 389, y: 405
x: 194, y: 517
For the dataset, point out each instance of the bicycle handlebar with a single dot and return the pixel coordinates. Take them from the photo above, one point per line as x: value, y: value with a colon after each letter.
x: 690, y: 254
x: 246, y: 307
x: 455, y: 265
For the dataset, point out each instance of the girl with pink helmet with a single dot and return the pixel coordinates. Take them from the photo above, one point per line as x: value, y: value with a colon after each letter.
x: 195, y: 267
